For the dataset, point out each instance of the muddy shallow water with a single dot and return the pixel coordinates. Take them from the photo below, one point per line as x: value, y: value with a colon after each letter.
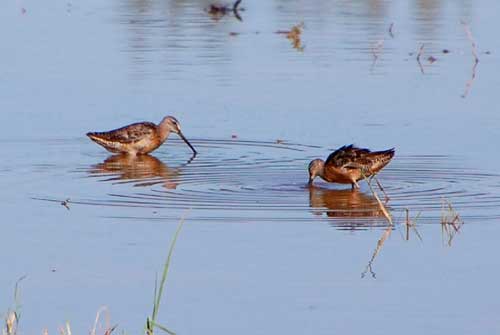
x: 261, y: 252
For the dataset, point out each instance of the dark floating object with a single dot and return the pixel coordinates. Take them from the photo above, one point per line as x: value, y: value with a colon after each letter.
x: 139, y: 138
x: 420, y: 52
x: 65, y: 203
x: 218, y: 10
x: 349, y: 164
x: 446, y: 51
x: 391, y: 33
x: 431, y: 59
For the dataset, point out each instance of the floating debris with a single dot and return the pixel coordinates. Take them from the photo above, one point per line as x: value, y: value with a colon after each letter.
x: 65, y: 203
x: 234, y: 136
x: 280, y: 141
x: 294, y: 35
x: 390, y: 30
x: 420, y: 51
x: 431, y: 59
x: 446, y: 51
x: 217, y: 11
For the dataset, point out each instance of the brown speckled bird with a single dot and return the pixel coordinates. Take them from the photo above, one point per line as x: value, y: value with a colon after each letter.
x: 139, y: 138
x: 349, y: 164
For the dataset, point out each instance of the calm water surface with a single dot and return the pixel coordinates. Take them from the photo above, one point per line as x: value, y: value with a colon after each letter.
x: 260, y: 252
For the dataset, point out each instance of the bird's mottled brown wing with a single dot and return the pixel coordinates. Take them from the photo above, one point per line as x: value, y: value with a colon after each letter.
x: 348, y: 156
x: 128, y: 134
x: 351, y: 157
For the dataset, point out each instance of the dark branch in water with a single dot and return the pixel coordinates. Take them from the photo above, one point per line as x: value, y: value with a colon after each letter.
x: 420, y: 51
x: 235, y: 5
x: 468, y: 85
x: 217, y: 11
x: 235, y: 10
x: 390, y: 30
x: 65, y: 203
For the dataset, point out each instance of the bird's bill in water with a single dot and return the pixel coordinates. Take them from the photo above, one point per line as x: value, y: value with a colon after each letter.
x: 187, y: 142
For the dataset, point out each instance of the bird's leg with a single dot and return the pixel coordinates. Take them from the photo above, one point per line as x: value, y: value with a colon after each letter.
x: 354, y: 185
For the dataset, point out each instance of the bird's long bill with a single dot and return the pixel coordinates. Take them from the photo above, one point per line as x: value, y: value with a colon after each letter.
x: 187, y: 142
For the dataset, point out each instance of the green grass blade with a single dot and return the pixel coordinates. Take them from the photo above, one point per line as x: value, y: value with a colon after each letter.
x: 165, y: 329
x: 164, y: 276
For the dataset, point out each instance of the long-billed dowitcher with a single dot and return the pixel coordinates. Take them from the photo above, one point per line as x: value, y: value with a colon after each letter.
x: 139, y: 138
x: 349, y: 164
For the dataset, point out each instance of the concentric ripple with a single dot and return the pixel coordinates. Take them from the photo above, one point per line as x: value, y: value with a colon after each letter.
x: 250, y: 181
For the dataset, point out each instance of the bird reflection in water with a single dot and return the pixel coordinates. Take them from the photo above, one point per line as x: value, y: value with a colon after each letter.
x: 343, y: 204
x: 142, y: 170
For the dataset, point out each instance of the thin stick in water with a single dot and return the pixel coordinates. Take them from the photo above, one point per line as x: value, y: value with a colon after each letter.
x: 376, y: 50
x: 420, y: 51
x: 469, y: 82
x: 380, y: 244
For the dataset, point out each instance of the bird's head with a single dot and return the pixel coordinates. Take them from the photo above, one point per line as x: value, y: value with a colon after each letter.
x: 170, y: 124
x: 316, y: 168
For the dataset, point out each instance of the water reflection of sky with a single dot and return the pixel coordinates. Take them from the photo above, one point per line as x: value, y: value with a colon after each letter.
x: 180, y: 34
x: 68, y: 68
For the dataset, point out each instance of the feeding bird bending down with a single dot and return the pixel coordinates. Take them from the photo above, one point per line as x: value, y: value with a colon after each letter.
x: 349, y: 164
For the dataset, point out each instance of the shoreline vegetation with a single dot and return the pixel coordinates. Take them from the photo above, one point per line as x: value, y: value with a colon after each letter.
x: 13, y: 315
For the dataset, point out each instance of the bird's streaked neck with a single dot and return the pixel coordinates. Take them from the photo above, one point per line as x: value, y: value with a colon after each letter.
x: 164, y: 131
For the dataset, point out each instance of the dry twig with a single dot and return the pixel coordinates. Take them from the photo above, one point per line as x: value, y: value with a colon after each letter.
x: 412, y: 224
x: 376, y: 50
x: 450, y: 219
x: 469, y: 83
x: 380, y: 244
x: 101, y: 310
x: 420, y: 51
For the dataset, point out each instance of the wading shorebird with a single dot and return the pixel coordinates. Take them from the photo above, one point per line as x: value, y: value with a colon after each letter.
x: 349, y: 164
x: 139, y: 138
